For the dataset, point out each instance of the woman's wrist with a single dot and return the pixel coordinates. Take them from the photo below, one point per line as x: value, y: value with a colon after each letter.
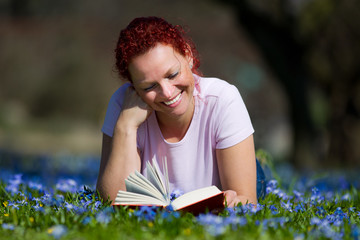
x: 125, y: 127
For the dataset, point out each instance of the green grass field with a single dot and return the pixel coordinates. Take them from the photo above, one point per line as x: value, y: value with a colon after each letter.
x: 316, y: 207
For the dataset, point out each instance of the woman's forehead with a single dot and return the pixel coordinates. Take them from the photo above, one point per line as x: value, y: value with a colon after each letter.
x: 155, y: 64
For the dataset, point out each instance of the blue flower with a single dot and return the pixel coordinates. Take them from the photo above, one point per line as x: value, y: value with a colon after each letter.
x: 52, y: 200
x: 215, y: 230
x: 66, y: 185
x: 38, y: 207
x: 8, y: 226
x: 57, y: 231
x: 281, y: 194
x: 13, y: 205
x: 255, y: 208
x: 273, y: 209
x: 175, y: 194
x: 274, y: 222
x: 35, y: 186
x: 69, y: 206
x: 90, y: 204
x: 103, y: 217
x: 338, y: 223
x: 35, y: 199
x: 352, y: 209
x: 282, y: 220
x: 323, y: 228
x: 14, y: 183
x: 315, y: 221
x: 355, y: 231
x: 235, y: 221
x: 340, y: 214
x: 86, y: 220
x: 87, y: 203
x: 315, y: 191
x: 169, y: 215
x: 299, y: 236
x: 246, y: 209
x: 287, y: 206
x: 321, y: 211
x: 329, y: 196
x: 231, y: 211
x: 299, y: 207
x: 346, y: 197
x: 316, y: 197
x: 13, y: 189
x: 22, y: 202
x: 272, y: 184
x: 88, y: 194
x: 331, y: 218
x: 146, y: 212
x: 298, y: 195
x: 80, y: 210
x: 213, y: 224
x: 97, y: 204
x: 16, y: 180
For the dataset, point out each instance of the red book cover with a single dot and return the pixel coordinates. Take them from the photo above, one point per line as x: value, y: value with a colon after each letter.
x: 213, y: 204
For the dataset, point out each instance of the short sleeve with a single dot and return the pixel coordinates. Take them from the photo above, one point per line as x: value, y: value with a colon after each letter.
x: 233, y: 123
x: 113, y: 110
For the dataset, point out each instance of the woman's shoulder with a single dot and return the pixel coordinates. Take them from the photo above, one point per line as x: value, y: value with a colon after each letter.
x: 118, y: 95
x: 211, y: 86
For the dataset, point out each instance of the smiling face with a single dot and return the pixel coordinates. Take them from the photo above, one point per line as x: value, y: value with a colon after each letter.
x: 163, y: 79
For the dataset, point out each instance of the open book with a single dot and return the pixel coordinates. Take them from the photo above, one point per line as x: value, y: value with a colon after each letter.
x: 154, y: 191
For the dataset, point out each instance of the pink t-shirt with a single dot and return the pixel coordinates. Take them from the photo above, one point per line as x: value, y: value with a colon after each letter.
x: 220, y: 121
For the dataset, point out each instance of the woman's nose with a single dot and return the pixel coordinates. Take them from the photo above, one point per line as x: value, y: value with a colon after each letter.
x: 167, y: 89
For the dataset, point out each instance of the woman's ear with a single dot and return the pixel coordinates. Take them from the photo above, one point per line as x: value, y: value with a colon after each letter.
x: 191, y: 62
x: 189, y: 56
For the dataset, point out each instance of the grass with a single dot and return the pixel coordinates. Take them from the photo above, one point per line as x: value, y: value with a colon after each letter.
x: 317, y: 207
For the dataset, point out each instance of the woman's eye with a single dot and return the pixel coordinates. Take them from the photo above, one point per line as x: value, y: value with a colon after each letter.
x: 172, y: 76
x: 149, y: 88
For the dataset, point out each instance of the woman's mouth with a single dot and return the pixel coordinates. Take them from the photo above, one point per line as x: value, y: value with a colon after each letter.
x: 174, y: 100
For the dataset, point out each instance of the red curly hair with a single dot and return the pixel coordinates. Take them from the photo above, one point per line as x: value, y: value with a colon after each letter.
x: 143, y: 34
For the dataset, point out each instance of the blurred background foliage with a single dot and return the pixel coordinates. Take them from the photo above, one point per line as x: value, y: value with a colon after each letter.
x: 295, y: 62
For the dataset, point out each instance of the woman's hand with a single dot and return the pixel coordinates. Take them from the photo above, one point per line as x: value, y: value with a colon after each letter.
x: 232, y: 199
x: 135, y: 111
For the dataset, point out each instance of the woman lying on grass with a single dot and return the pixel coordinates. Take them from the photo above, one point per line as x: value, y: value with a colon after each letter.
x: 168, y: 111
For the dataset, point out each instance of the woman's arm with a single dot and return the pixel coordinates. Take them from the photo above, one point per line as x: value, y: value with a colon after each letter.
x: 120, y: 156
x: 237, y: 170
x: 118, y: 160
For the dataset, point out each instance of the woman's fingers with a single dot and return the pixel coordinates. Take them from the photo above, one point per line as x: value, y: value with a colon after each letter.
x: 135, y: 110
x: 230, y: 197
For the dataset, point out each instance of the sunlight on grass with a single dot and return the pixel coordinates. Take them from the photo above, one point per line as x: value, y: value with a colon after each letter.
x: 31, y: 207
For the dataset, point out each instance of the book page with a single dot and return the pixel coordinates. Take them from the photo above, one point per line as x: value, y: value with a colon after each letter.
x: 167, y: 184
x: 194, y: 196
x: 154, y: 178
x: 154, y: 174
x: 137, y: 183
x: 153, y: 186
x: 129, y: 198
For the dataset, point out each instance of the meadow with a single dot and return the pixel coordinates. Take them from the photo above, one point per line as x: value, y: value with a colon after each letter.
x: 44, y: 197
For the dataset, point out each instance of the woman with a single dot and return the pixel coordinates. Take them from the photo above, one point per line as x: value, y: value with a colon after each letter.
x: 167, y: 111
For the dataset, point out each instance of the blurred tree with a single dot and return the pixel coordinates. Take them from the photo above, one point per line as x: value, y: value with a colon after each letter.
x: 19, y: 8
x: 313, y: 49
x: 29, y: 8
x: 332, y: 30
